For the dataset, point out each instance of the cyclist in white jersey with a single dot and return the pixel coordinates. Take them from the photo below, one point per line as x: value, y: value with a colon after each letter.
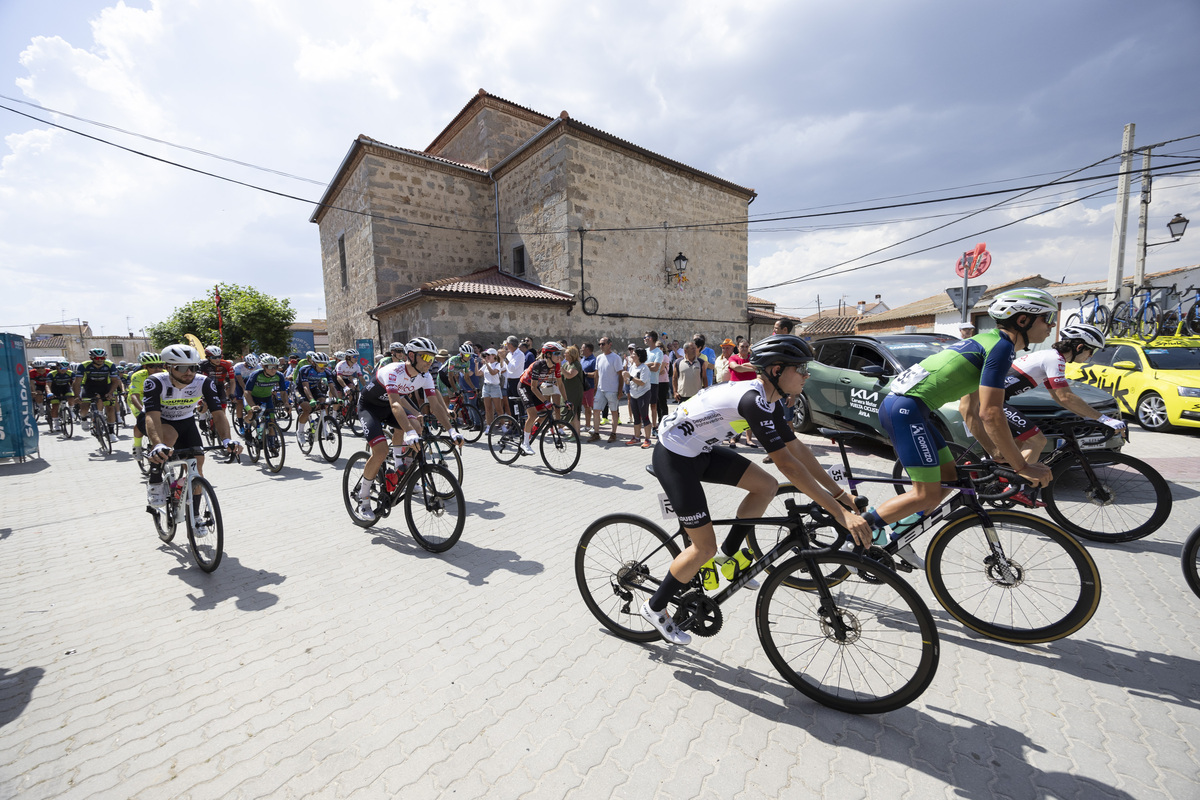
x: 687, y: 455
x: 1047, y: 368
x: 349, y: 373
x: 384, y: 403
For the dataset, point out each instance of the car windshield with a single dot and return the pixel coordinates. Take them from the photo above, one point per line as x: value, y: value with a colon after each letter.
x: 1173, y: 357
x: 909, y: 353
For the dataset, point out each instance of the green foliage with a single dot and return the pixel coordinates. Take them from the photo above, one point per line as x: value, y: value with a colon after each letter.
x: 249, y: 318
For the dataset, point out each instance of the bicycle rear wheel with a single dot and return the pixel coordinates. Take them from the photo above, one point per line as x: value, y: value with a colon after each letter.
x: 871, y: 647
x: 762, y: 538
x: 434, y: 508
x: 1191, y: 561
x: 274, y: 447
x: 619, y: 562
x: 1050, y: 589
x: 352, y: 477
x: 1127, y: 500
x: 306, y: 434
x: 560, y: 447
x: 1192, y: 320
x: 1122, y: 319
x: 206, y: 534
x: 329, y: 437
x: 470, y: 422
x: 504, y: 439
x: 283, y: 416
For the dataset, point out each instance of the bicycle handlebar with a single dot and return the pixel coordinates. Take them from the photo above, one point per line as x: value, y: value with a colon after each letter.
x: 824, y: 519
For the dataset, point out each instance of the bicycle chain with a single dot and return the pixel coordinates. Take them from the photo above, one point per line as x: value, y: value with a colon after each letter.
x: 702, y: 615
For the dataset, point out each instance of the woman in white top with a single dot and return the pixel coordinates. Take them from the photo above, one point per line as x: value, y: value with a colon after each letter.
x: 493, y: 395
x: 637, y: 375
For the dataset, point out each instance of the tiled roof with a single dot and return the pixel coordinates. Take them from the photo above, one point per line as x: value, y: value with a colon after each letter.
x: 484, y: 284
x: 481, y: 96
x: 940, y: 303
x: 758, y: 301
x: 61, y: 330
x: 52, y: 342
x: 832, y: 326
x: 843, y: 311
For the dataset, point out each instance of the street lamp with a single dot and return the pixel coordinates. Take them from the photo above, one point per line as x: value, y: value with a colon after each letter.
x: 680, y: 263
x: 1177, y: 226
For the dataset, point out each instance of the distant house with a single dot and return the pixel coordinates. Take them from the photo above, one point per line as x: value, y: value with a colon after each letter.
x: 840, y: 320
x: 762, y: 317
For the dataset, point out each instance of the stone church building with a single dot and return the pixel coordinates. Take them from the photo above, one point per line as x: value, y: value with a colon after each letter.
x: 515, y: 222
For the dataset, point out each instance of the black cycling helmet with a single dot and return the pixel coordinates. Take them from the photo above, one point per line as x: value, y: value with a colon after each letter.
x: 783, y: 348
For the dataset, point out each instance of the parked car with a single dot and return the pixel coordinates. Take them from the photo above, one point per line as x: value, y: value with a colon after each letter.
x: 1156, y: 382
x: 849, y: 380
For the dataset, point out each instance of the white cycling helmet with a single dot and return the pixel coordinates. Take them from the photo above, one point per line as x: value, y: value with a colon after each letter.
x: 466, y: 349
x: 269, y: 360
x: 552, y: 347
x: 421, y: 345
x: 212, y: 351
x: 394, y: 346
x: 1090, y: 335
x: 252, y: 361
x: 318, y: 358
x: 1022, y: 301
x: 180, y: 355
x: 351, y: 353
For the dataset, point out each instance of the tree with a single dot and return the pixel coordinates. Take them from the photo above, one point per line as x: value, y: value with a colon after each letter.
x: 249, y: 320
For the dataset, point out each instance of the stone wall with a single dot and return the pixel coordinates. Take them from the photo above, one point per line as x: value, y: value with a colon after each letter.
x: 345, y: 306
x: 533, y: 203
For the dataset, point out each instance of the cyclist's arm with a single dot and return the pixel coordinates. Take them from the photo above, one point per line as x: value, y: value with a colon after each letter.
x: 800, y: 466
x: 437, y: 404
x: 401, y: 409
x: 154, y: 427
x: 1073, y: 402
x: 995, y: 423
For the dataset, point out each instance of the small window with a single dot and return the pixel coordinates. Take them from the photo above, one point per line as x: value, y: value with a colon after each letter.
x: 865, y: 356
x: 1127, y: 353
x: 117, y: 350
x: 518, y: 265
x: 400, y: 336
x: 1103, y: 357
x: 342, y: 258
x: 835, y: 354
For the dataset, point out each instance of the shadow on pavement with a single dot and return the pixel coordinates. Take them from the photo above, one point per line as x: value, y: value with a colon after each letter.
x: 477, y: 508
x: 291, y: 472
x: 31, y: 466
x: 975, y: 758
x: 16, y: 688
x: 5, y: 533
x: 230, y: 580
x: 477, y: 562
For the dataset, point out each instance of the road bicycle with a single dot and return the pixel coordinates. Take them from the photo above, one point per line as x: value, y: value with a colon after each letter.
x: 864, y: 643
x: 66, y: 416
x: 322, y: 428
x: 98, y: 424
x: 283, y: 412
x: 204, y: 421
x: 1005, y: 574
x: 201, y: 517
x: 557, y: 440
x: 1139, y: 315
x: 1092, y: 311
x: 434, y: 506
x: 263, y: 437
x: 1191, y: 561
x: 1177, y: 322
x: 466, y: 414
x: 346, y: 413
x: 1096, y: 493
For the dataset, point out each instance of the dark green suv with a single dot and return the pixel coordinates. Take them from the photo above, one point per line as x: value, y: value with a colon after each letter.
x: 850, y: 377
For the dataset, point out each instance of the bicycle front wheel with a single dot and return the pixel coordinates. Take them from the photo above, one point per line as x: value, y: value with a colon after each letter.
x: 1043, y: 586
x: 164, y: 518
x: 329, y: 437
x: 504, y: 439
x: 1191, y: 561
x: 871, y: 647
x: 1101, y: 319
x: 1127, y: 498
x: 305, y: 434
x: 206, y: 534
x: 434, y: 508
x: 352, y: 478
x: 274, y: 448
x: 619, y: 562
x: 470, y: 422
x: 1192, y: 320
x: 1122, y: 319
x: 67, y: 424
x: 283, y: 415
x: 1147, y: 323
x: 560, y: 448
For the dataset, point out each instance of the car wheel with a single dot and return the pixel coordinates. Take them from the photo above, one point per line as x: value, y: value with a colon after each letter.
x: 802, y: 421
x: 1152, y: 412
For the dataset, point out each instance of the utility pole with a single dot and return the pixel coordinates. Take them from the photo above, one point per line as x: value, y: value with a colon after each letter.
x: 1116, y: 257
x: 1139, y: 268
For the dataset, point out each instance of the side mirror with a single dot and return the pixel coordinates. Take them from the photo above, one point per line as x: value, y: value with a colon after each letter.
x: 873, y: 371
x: 1128, y: 365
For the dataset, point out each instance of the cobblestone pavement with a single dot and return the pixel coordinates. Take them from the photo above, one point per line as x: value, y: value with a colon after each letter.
x: 323, y: 660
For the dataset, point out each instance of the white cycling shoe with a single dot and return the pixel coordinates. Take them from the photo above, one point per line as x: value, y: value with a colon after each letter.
x: 663, y: 623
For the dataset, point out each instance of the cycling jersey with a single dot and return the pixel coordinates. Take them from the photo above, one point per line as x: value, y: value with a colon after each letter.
x: 96, y: 375
x: 262, y: 386
x: 159, y: 393
x: 704, y: 420
x: 540, y: 372
x: 316, y: 379
x: 136, y: 385
x: 348, y: 371
x: 959, y: 370
x: 39, y: 376
x: 220, y: 372
x: 395, y: 378
x: 1046, y: 367
x: 61, y: 381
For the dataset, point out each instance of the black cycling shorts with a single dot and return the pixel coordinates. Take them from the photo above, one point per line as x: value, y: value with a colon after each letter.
x: 187, y: 434
x: 90, y: 390
x: 1021, y: 426
x: 373, y: 418
x: 681, y: 478
x: 529, y: 399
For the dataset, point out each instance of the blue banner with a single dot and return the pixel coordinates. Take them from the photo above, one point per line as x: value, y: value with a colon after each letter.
x: 18, y: 428
x: 302, y: 342
x: 366, y: 354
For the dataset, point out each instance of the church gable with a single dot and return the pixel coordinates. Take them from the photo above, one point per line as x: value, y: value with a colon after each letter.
x: 486, y: 131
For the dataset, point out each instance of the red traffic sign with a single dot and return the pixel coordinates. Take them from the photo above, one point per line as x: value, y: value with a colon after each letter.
x: 973, y: 263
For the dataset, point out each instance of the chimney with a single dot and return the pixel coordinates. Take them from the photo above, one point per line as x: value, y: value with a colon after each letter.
x: 862, y: 306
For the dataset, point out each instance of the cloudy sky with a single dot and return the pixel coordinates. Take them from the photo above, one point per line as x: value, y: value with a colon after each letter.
x: 818, y: 106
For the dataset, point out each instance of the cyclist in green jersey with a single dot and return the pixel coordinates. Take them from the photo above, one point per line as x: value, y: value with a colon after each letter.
x: 972, y: 371
x: 152, y: 364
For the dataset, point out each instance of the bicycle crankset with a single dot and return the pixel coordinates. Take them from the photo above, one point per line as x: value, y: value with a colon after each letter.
x: 880, y: 556
x: 699, y: 614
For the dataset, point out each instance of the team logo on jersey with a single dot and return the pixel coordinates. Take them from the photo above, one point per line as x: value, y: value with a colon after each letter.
x: 763, y: 404
x: 686, y: 428
x: 921, y: 440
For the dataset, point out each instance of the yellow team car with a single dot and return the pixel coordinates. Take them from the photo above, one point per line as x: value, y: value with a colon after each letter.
x: 1158, y: 382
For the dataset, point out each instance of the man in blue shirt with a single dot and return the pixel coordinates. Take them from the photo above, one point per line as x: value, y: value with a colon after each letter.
x: 587, y: 363
x: 708, y: 356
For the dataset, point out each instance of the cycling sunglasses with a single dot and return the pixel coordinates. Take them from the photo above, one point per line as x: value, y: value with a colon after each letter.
x: 185, y: 368
x: 426, y: 357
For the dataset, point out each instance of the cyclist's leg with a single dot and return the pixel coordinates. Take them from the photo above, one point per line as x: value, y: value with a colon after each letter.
x: 923, y: 453
x: 1028, y: 436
